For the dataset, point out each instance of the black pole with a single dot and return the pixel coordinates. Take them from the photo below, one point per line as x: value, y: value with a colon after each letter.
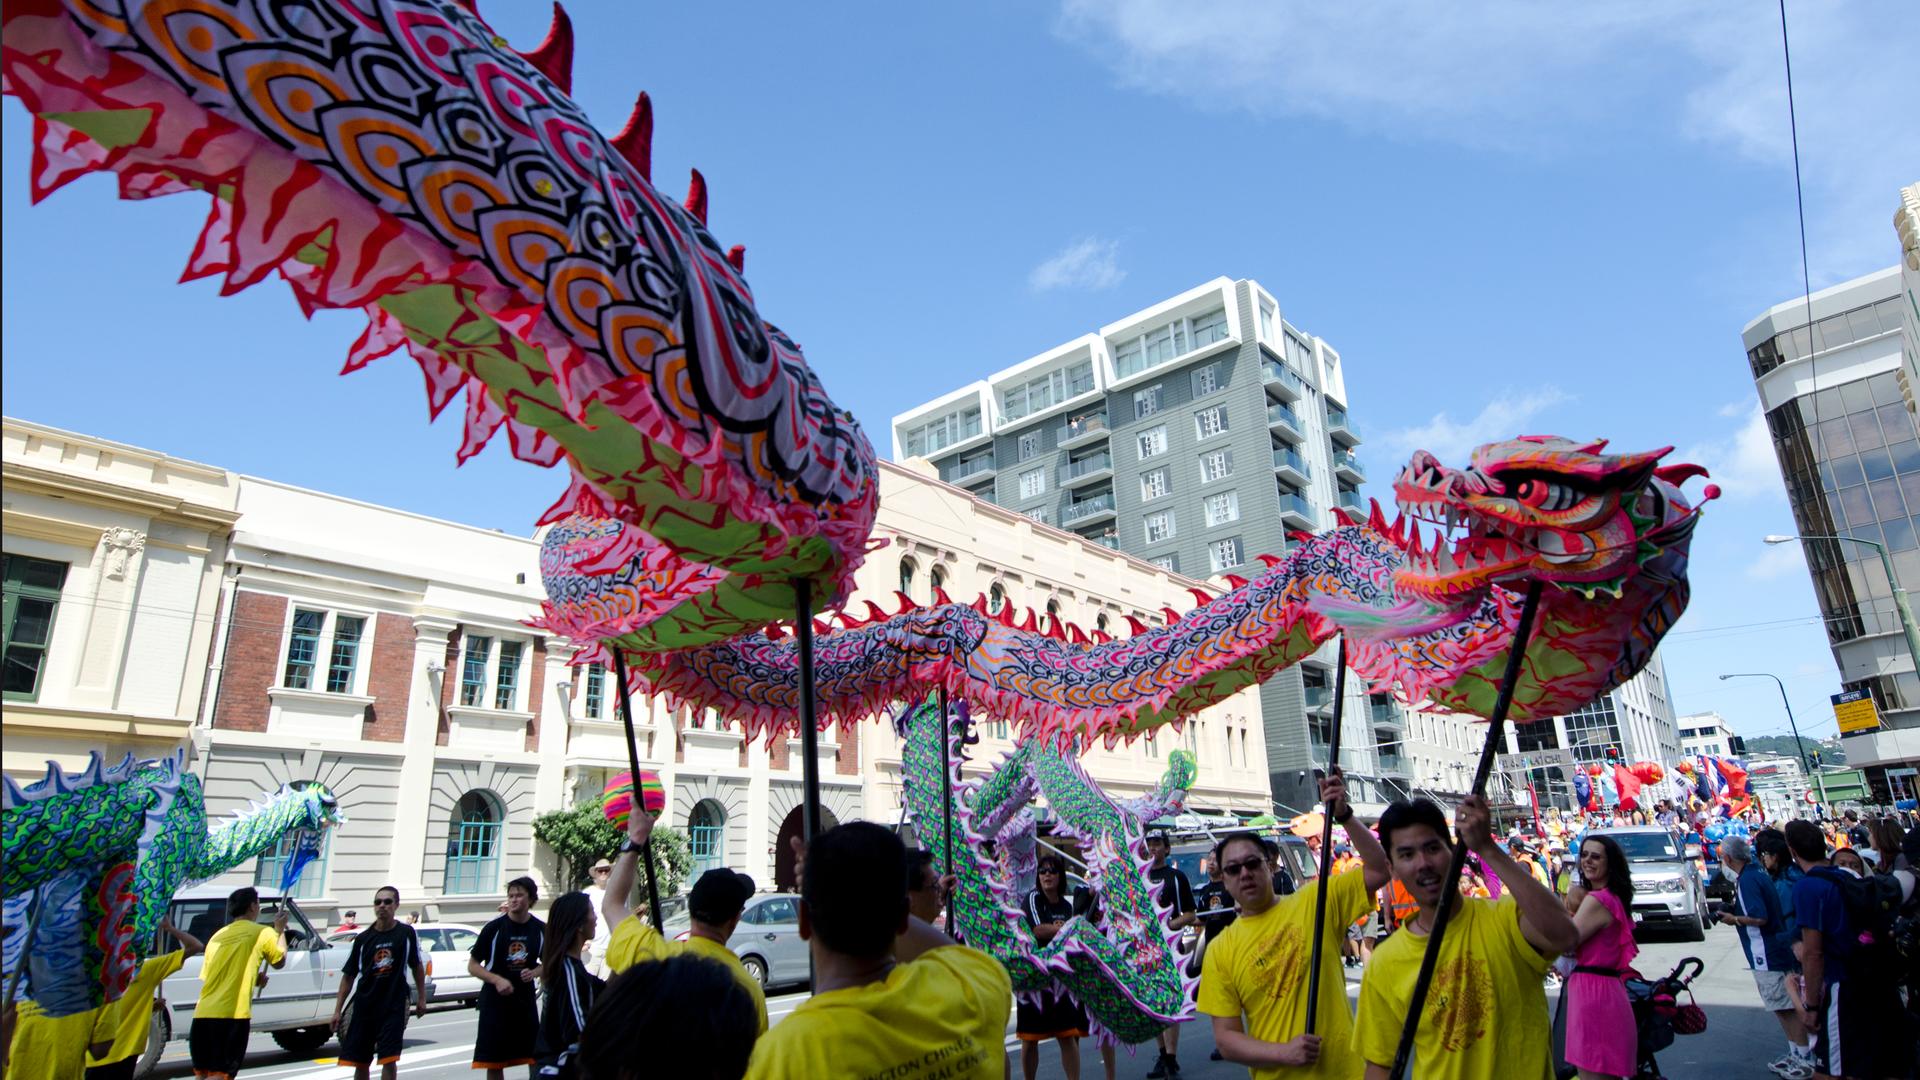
x: 946, y: 796
x: 1450, y: 892
x: 809, y: 731
x: 633, y: 774
x: 1326, y: 842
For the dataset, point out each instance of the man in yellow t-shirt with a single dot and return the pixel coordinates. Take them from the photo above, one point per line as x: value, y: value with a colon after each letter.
x: 893, y: 996
x: 45, y: 1047
x: 222, y: 1019
x: 120, y: 1029
x: 1253, y: 980
x: 713, y: 909
x: 1486, y: 1012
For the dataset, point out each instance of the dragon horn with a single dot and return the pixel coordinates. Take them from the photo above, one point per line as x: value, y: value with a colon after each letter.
x: 697, y: 197
x: 1680, y: 474
x: 1376, y: 519
x: 737, y: 258
x: 554, y: 56
x: 635, y: 141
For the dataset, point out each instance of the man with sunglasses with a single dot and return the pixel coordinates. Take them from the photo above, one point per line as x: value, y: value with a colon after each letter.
x: 377, y: 977
x: 1253, y: 980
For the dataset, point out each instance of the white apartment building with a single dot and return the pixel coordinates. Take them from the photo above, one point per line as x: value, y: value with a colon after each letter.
x: 1707, y: 733
x: 384, y: 653
x: 1633, y: 722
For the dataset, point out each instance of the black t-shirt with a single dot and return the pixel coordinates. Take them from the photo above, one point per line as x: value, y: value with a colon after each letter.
x: 1038, y: 909
x: 563, y: 1016
x: 506, y: 948
x: 1859, y: 837
x: 381, y: 961
x: 1172, y: 888
x: 1213, y: 897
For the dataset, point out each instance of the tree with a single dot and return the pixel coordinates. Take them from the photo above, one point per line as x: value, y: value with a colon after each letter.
x: 583, y: 836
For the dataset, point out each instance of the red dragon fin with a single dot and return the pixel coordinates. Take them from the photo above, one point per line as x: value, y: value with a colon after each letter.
x: 635, y: 141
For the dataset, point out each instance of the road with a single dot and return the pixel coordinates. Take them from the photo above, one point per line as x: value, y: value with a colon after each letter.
x: 1740, y: 1037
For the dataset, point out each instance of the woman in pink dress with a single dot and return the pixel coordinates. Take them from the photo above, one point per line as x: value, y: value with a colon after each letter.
x: 1601, y: 1038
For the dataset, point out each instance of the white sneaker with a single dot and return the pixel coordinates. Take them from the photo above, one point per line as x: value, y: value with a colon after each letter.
x: 1796, y: 1070
x: 1780, y: 1064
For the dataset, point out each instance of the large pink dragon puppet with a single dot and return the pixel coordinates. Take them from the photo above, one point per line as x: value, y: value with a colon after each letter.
x: 398, y: 158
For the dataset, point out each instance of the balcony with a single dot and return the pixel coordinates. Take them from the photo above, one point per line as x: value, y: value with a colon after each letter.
x: 1086, y: 470
x: 1283, y: 419
x: 1319, y: 697
x: 1340, y: 426
x: 1395, y: 765
x: 1082, y: 430
x: 1281, y: 379
x: 1348, y: 467
x: 1350, y: 500
x: 1386, y: 713
x: 963, y: 472
x: 1290, y: 465
x: 1109, y: 539
x: 1297, y: 512
x: 1087, y: 510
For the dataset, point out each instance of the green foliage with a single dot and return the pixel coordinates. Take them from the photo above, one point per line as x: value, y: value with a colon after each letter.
x: 1783, y: 744
x: 583, y: 836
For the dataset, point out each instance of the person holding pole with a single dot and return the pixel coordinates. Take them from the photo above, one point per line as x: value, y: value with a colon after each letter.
x: 238, y: 955
x: 120, y: 1034
x: 1486, y: 1015
x: 1253, y: 980
x: 376, y: 979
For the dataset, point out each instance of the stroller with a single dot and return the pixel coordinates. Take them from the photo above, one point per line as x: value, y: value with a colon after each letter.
x: 1658, y: 1015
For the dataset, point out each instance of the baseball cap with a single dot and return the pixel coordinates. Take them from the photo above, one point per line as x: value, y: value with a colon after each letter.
x: 719, y: 895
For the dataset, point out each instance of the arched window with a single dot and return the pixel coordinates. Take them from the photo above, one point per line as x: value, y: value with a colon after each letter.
x: 906, y: 576
x: 996, y: 599
x: 272, y: 866
x: 1053, y: 611
x: 706, y: 833
x: 474, y: 844
x: 1100, y: 622
x: 936, y: 579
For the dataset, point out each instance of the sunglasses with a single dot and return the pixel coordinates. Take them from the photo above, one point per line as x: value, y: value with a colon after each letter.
x: 1235, y: 869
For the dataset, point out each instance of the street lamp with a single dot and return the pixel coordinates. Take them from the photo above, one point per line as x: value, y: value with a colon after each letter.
x: 1899, y: 594
x: 1805, y: 762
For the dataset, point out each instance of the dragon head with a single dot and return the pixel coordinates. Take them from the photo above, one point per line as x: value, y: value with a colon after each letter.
x: 1539, y: 507
x: 318, y: 809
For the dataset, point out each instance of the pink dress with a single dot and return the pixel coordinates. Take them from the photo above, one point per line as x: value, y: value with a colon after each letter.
x: 1600, y: 1031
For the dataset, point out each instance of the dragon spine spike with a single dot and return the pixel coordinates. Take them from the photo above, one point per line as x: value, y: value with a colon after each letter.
x: 941, y: 599
x: 697, y: 197
x: 1170, y: 615
x: 1234, y: 581
x: 1269, y: 561
x: 1006, y: 615
x: 1135, y: 627
x: 737, y: 258
x: 635, y: 141
x: 979, y: 603
x: 1201, y: 597
x: 906, y: 602
x: 875, y: 614
x: 1031, y: 624
x: 554, y: 55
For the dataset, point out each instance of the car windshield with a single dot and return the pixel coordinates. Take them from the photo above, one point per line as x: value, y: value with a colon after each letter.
x: 1639, y: 847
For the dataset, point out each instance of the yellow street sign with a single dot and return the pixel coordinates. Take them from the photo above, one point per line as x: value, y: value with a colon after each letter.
x: 1854, y: 711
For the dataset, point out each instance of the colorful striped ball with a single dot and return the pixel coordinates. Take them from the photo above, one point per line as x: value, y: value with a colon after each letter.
x: 616, y: 799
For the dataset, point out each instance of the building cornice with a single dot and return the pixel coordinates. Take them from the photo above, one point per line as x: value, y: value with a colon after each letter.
x: 21, y: 477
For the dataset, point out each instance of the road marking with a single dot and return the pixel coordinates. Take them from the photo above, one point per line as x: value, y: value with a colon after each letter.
x: 304, y: 1070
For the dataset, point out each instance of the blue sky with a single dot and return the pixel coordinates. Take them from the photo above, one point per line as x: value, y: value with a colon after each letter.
x: 1507, y: 216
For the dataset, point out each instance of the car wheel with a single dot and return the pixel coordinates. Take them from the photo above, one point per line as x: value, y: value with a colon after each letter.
x: 303, y: 1040
x: 159, y: 1033
x: 757, y: 968
x: 1696, y: 928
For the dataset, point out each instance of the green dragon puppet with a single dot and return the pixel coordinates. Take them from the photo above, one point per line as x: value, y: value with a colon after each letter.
x: 100, y: 854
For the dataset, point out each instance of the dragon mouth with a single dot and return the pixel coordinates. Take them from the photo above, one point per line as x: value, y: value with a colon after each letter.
x: 1468, y: 549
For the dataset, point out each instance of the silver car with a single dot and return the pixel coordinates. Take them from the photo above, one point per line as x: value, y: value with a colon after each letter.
x: 1667, y: 890
x: 767, y: 941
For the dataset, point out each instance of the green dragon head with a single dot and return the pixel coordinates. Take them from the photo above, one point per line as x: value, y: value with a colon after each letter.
x: 1539, y: 507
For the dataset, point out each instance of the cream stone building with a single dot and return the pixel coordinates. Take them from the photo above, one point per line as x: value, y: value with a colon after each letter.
x: 310, y: 636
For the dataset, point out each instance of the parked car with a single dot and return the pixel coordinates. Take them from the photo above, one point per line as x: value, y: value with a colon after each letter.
x: 295, y: 1007
x: 1667, y: 887
x: 1297, y: 863
x: 448, y: 947
x: 767, y: 941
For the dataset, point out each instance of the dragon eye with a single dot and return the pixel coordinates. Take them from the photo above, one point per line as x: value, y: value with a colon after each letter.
x: 1541, y: 494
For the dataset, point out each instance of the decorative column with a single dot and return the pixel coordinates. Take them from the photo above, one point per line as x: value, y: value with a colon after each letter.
x: 117, y: 563
x: 409, y: 858
x: 551, y: 790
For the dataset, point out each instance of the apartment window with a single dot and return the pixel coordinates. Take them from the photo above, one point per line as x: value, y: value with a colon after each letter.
x: 1033, y: 483
x: 506, y: 682
x: 1047, y: 390
x: 473, y: 671
x: 1223, y: 508
x: 1165, y: 343
x: 1224, y: 554
x: 1029, y: 445
x: 1153, y: 442
x: 1206, y: 380
x: 1266, y: 321
x: 1169, y: 562
x: 706, y: 835
x: 1211, y: 422
x: 1159, y: 344
x: 1146, y: 402
x: 596, y: 693
x: 1160, y: 527
x: 936, y: 435
x: 1039, y: 514
x: 1153, y: 485
x: 1216, y: 465
x: 309, y: 628
x: 474, y: 843
x: 32, y: 596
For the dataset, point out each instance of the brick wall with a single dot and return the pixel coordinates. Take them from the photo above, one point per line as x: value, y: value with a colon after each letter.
x: 847, y: 761
x: 389, y: 679
x: 535, y: 684
x: 449, y: 680
x: 252, y: 663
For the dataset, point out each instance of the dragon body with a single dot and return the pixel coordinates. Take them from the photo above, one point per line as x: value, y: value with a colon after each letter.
x: 102, y: 852
x: 1126, y: 971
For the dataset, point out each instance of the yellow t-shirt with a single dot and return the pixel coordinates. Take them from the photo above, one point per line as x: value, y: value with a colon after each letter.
x: 126, y: 1022
x: 1486, y: 1013
x: 943, y: 1015
x: 233, y: 959
x: 634, y: 940
x: 49, y: 1048
x: 1258, y: 967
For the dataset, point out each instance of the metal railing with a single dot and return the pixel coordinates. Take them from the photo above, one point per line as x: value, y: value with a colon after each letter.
x: 1338, y: 420
x: 1288, y: 457
x: 971, y: 467
x: 1294, y: 502
x: 1281, y: 413
x: 1088, y: 508
x: 1093, y: 463
x: 1082, y: 426
x: 1276, y: 371
x: 1348, y: 460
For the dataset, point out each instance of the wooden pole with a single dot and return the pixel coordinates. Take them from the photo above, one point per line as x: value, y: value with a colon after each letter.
x: 633, y: 767
x: 1326, y: 842
x: 809, y: 728
x: 1450, y: 891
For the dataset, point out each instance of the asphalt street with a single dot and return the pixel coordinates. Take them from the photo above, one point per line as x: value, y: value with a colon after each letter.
x: 1740, y: 1037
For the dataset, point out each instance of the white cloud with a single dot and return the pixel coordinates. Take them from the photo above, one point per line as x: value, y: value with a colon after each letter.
x: 1777, y: 561
x: 1452, y: 441
x: 1523, y: 75
x: 1742, y: 463
x: 1087, y: 263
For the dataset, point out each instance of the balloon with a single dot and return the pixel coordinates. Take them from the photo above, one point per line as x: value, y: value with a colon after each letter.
x: 616, y: 799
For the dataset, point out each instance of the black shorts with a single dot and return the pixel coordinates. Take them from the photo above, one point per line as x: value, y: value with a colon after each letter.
x: 373, y: 1034
x: 1059, y: 1018
x: 218, y: 1046
x: 1843, y: 1042
x: 119, y: 1070
x: 508, y: 1027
